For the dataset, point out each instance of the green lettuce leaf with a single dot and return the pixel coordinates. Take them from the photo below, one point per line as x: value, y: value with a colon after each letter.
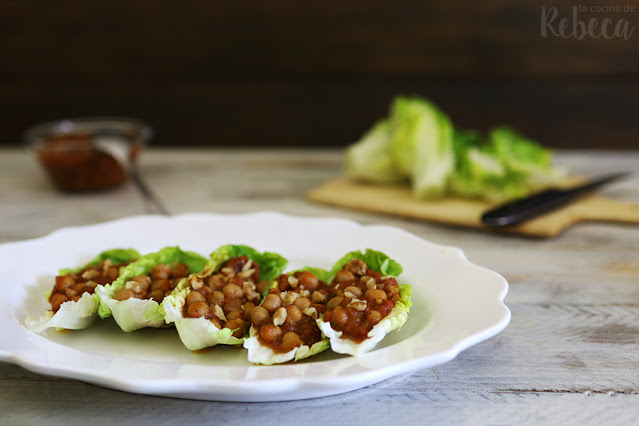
x: 503, y: 167
x: 321, y: 274
x: 375, y: 260
x: 133, y: 314
x: 422, y: 145
x: 525, y: 157
x: 393, y: 321
x: 195, y: 333
x: 383, y: 264
x: 70, y: 316
x: 370, y: 159
x: 117, y: 256
x: 419, y: 142
x: 198, y: 333
x: 271, y: 264
x: 80, y: 314
x: 260, y: 354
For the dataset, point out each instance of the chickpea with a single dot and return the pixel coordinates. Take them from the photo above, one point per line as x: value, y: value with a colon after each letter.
x: 259, y: 315
x: 302, y: 303
x: 194, y: 296
x: 293, y: 314
x: 57, y: 300
x: 123, y: 294
x: 232, y: 291
x: 198, y: 309
x: 78, y: 288
x: 233, y: 305
x: 63, y: 282
x: 180, y: 270
x: 161, y: 272
x: 204, y: 290
x: 233, y: 315
x: 334, y: 302
x: 272, y: 302
x: 344, y: 276
x: 290, y: 340
x: 248, y: 308
x: 239, y: 326
x: 161, y: 284
x: 270, y: 332
x: 375, y: 295
x: 308, y: 280
x: 262, y: 285
x: 113, y: 272
x: 143, y: 280
x: 356, y: 291
x: 216, y: 281
x: 373, y: 317
x: 339, y: 317
x: 216, y: 298
x: 157, y: 295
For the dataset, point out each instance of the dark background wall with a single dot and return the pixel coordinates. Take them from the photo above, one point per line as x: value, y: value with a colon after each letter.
x: 292, y: 73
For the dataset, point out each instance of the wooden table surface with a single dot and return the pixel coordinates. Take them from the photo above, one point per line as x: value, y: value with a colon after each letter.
x: 570, y: 353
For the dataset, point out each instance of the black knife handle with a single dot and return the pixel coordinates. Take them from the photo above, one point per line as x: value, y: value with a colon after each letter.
x: 518, y: 211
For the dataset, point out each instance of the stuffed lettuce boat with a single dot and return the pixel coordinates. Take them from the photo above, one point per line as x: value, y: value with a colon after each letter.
x: 134, y: 298
x: 214, y: 307
x: 284, y: 326
x: 74, y: 304
x: 365, y: 302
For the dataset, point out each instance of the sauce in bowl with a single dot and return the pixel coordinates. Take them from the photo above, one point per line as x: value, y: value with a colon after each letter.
x: 68, y: 152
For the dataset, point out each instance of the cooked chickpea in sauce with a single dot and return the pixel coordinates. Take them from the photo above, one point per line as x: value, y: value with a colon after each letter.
x: 226, y: 298
x: 71, y: 286
x: 286, y: 319
x: 156, y: 285
x: 359, y: 298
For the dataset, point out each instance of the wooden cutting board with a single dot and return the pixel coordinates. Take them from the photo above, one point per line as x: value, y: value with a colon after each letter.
x: 398, y: 200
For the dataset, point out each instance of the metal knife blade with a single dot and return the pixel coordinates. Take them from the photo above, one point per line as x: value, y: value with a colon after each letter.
x: 518, y: 211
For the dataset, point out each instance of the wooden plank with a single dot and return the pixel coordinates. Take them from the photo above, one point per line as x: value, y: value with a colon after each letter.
x: 569, y: 355
x: 84, y: 42
x: 333, y: 113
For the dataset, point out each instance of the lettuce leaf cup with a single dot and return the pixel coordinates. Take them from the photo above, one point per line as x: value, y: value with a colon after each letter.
x: 74, y: 304
x: 213, y: 307
x: 134, y: 298
x: 284, y: 326
x: 365, y: 302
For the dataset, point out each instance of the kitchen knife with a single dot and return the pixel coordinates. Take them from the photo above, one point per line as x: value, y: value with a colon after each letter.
x: 518, y: 211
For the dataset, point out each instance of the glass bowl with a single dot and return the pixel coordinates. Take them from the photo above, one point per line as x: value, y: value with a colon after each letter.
x: 87, y: 154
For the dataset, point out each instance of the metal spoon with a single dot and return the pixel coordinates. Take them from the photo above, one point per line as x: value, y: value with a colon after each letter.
x: 119, y: 147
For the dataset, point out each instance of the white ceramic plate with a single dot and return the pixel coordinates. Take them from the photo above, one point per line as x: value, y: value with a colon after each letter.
x: 456, y: 304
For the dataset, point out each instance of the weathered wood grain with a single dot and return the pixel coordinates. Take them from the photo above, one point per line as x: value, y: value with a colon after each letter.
x: 570, y: 354
x: 318, y: 74
x: 331, y: 113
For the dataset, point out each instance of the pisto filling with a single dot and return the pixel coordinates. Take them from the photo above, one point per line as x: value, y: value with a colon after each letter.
x: 286, y: 318
x: 74, y: 284
x: 227, y: 297
x: 359, y: 299
x: 156, y: 285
